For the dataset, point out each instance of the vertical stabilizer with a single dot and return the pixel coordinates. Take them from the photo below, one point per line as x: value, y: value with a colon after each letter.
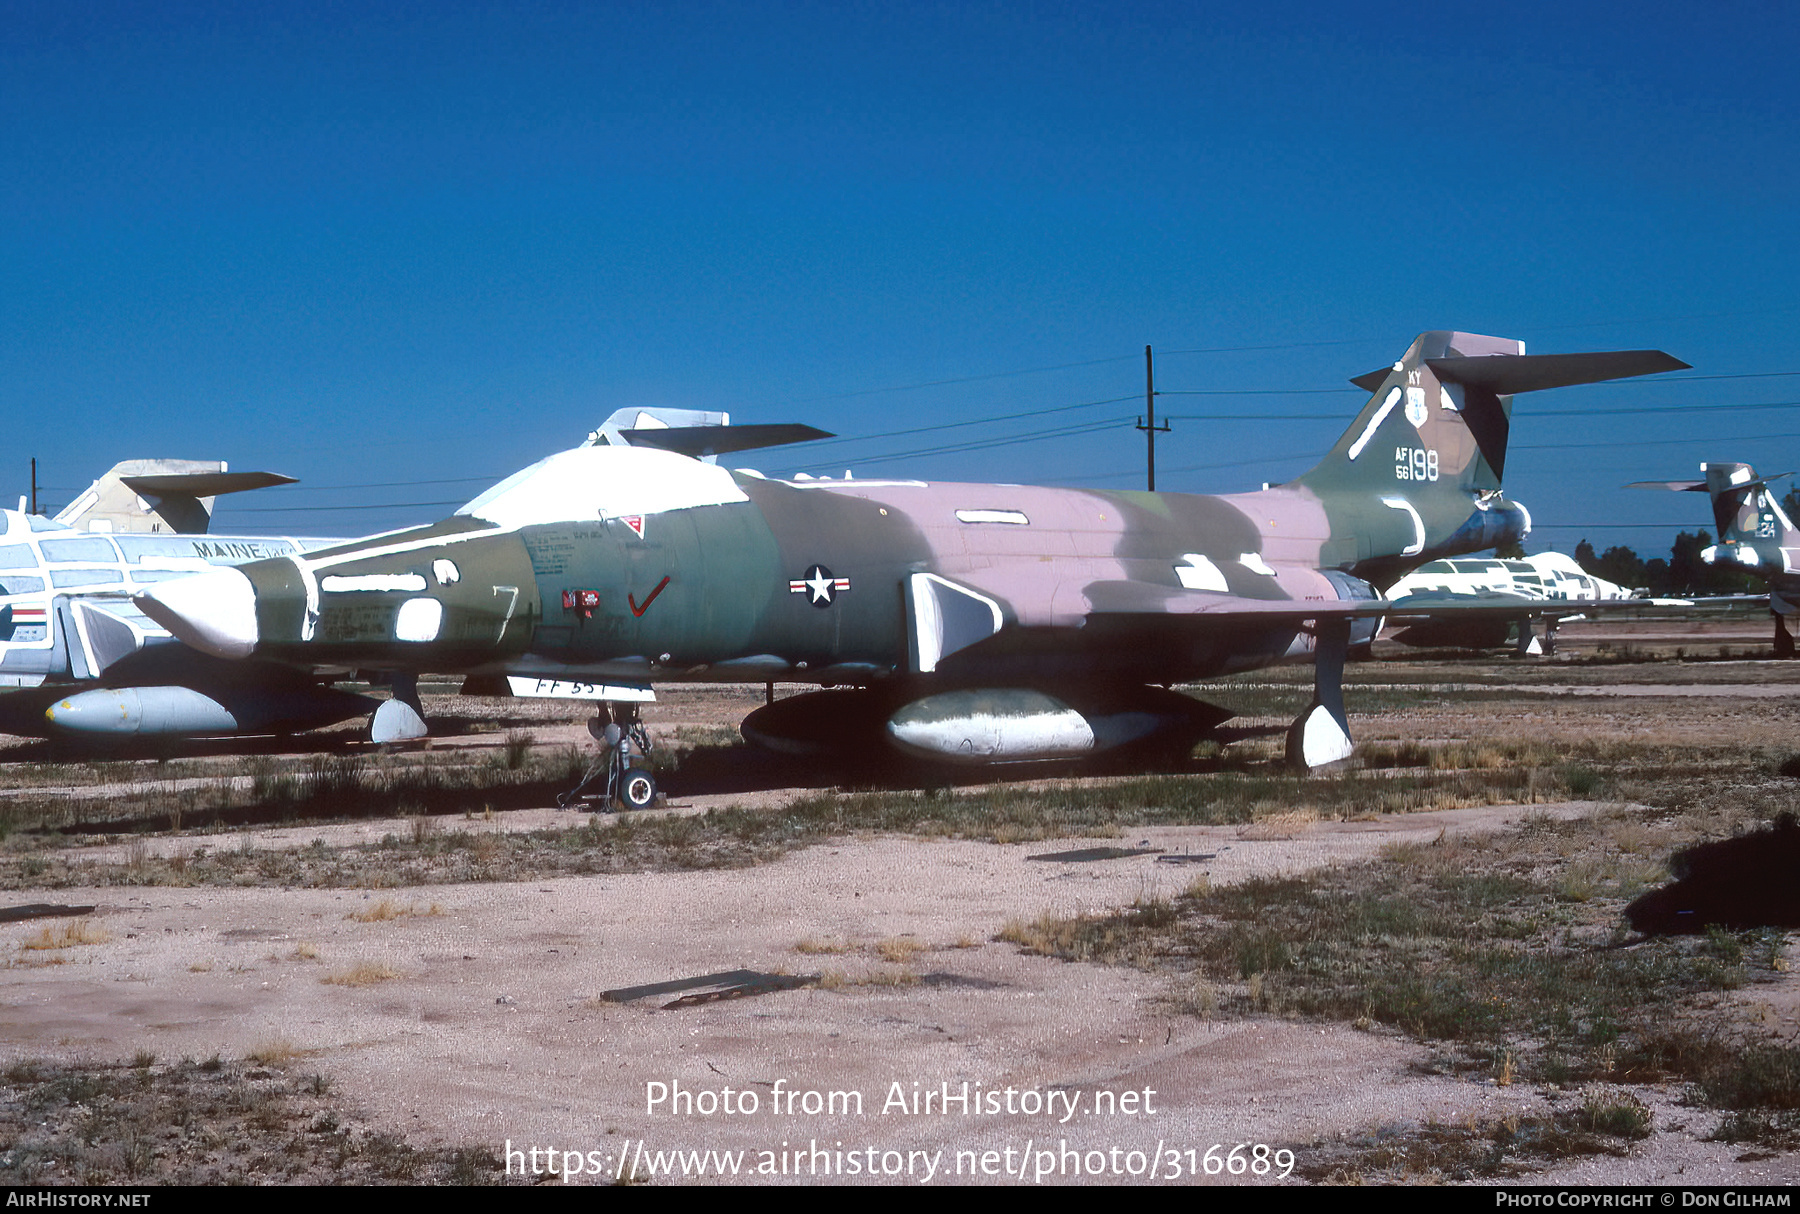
x: 1428, y: 450
x: 166, y: 495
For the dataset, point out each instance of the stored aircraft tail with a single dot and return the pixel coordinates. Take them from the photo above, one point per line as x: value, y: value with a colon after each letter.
x: 167, y: 495
x: 1420, y: 468
x: 1744, y: 509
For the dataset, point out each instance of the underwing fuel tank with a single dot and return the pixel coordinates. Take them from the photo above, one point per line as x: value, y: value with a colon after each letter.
x: 984, y: 725
x: 128, y: 712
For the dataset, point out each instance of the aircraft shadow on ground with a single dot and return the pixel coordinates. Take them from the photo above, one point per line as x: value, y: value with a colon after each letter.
x: 1745, y: 882
x: 715, y: 771
x: 340, y: 788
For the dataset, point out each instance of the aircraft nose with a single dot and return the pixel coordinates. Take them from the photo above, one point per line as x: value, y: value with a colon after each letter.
x: 215, y: 611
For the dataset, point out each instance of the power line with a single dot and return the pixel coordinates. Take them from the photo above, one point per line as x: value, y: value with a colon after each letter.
x: 978, y: 421
x: 1537, y: 526
x: 988, y: 444
x: 1292, y: 345
x: 964, y: 379
x: 1257, y: 391
x: 316, y: 509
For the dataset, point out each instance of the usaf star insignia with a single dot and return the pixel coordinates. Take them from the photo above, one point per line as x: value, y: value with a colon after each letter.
x: 818, y: 583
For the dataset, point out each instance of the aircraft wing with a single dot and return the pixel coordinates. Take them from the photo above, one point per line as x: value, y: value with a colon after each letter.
x: 1124, y: 598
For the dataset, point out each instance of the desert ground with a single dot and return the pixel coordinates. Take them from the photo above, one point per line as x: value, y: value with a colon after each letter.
x: 313, y: 961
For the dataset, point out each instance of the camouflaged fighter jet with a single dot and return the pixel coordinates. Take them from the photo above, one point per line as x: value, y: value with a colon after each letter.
x: 973, y: 622
x: 1755, y: 535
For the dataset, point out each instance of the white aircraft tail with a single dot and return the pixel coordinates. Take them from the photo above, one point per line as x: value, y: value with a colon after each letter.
x: 167, y: 495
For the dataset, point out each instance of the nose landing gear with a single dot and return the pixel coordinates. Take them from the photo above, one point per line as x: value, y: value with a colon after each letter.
x: 617, y: 779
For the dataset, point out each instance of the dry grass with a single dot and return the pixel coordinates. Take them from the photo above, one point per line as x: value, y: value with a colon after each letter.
x: 387, y: 909
x: 363, y: 973
x: 898, y: 950
x: 68, y: 935
x: 816, y: 947
x: 1281, y: 824
x: 276, y: 1051
x: 304, y: 951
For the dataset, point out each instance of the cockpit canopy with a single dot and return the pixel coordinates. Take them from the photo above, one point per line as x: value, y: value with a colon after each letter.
x: 603, y: 482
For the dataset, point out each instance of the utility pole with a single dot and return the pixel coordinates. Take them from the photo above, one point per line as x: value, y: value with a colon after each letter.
x: 34, y: 484
x: 1147, y: 423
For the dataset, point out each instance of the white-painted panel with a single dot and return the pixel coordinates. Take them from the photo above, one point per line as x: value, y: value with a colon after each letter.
x: 419, y: 620
x: 569, y: 689
x: 1014, y: 517
x: 410, y: 583
x: 1196, y: 572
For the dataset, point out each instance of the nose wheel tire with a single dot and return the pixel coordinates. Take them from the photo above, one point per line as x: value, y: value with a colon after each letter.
x: 638, y: 789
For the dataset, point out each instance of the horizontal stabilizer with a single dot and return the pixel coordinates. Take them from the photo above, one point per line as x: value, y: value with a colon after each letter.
x: 204, y: 484
x: 1700, y: 486
x: 1674, y: 486
x: 1505, y: 374
x: 699, y: 441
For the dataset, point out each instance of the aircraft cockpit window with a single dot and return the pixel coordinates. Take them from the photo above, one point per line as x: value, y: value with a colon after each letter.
x: 84, y: 577
x: 78, y: 550
x: 17, y: 556
x: 40, y: 523
x: 1437, y: 567
x: 12, y: 583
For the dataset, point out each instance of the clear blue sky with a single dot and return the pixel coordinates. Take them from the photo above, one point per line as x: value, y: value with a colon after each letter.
x: 401, y: 250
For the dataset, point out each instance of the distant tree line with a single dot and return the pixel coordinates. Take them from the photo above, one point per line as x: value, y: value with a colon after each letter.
x: 1684, y: 573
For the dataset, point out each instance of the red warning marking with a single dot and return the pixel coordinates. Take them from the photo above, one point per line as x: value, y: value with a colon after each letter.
x: 636, y: 523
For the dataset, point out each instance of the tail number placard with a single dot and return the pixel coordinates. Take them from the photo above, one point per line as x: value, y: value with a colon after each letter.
x: 1415, y: 464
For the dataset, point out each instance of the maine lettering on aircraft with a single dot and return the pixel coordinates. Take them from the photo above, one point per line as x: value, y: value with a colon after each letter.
x: 239, y: 550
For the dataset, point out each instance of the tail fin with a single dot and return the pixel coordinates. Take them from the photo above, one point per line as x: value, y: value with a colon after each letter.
x: 170, y: 495
x: 1744, y: 507
x: 1745, y: 511
x: 1429, y: 447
